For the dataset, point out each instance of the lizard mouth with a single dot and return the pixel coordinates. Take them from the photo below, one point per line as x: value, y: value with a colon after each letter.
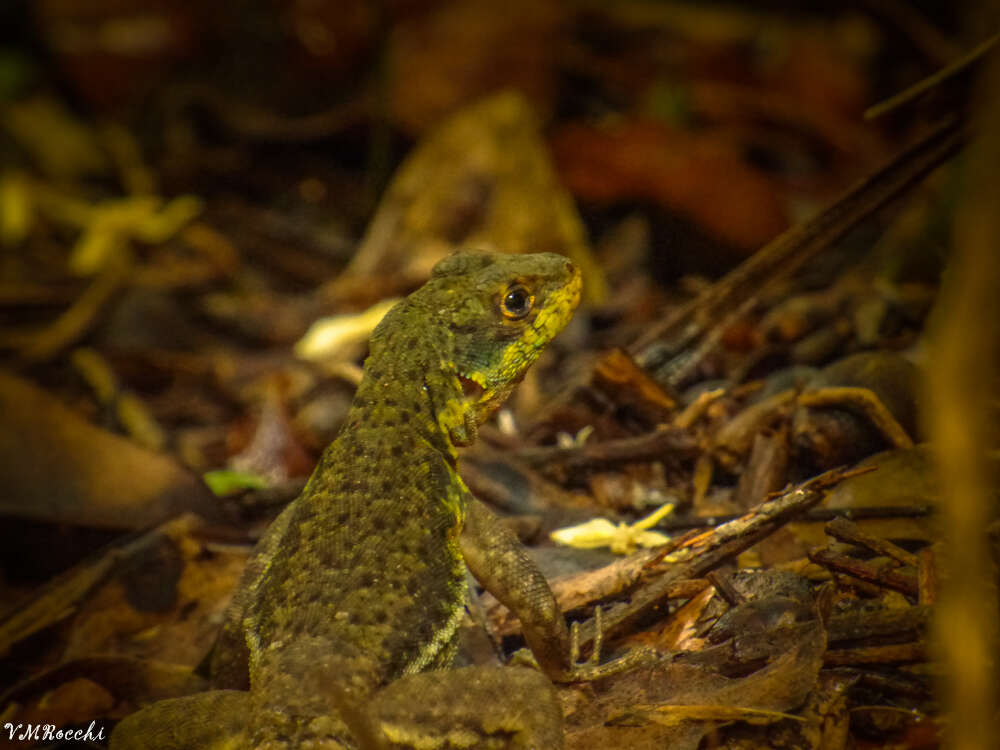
x: 472, y: 390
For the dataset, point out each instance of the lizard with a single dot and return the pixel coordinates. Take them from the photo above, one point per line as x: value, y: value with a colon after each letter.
x: 350, y: 605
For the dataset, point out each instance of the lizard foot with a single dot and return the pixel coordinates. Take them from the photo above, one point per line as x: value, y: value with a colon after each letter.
x: 592, y: 669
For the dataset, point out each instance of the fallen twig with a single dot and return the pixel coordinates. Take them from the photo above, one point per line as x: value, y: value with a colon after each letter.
x: 847, y: 531
x: 905, y: 583
x: 665, y: 350
x: 696, y: 556
x: 653, y: 445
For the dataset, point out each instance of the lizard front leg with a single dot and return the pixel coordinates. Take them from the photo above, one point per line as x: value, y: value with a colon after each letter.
x: 501, y: 564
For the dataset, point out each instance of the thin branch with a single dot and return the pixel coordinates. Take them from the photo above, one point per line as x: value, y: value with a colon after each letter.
x: 662, y: 349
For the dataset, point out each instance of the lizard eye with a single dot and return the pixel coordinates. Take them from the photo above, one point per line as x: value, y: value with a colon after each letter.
x: 517, y: 302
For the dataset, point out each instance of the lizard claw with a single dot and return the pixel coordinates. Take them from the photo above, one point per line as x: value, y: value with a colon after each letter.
x: 592, y: 669
x: 574, y: 642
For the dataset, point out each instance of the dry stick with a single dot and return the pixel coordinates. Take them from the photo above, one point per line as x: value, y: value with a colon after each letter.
x: 657, y: 350
x: 932, y: 81
x: 891, y: 654
x: 582, y: 590
x: 856, y: 625
x: 864, y: 571
x: 847, y: 531
x: 815, y: 515
x: 709, y: 550
x: 725, y: 589
x: 711, y: 339
x: 892, y: 682
x: 866, y: 401
x: 927, y: 576
x: 693, y: 411
x: 652, y: 445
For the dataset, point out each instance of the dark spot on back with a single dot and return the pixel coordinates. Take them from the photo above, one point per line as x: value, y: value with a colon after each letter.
x: 327, y: 556
x: 413, y: 587
x: 426, y: 629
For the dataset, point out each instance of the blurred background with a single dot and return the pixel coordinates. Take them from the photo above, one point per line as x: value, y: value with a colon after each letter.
x: 206, y: 207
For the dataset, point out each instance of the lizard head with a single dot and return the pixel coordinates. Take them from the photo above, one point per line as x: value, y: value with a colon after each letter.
x: 500, y: 311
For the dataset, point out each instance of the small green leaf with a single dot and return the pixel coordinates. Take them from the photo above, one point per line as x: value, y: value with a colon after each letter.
x: 226, y: 481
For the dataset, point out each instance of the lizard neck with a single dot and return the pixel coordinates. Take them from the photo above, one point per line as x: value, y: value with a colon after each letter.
x: 415, y: 397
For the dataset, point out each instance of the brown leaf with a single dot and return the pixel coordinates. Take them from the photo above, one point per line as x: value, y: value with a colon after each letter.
x: 697, y: 176
x: 782, y: 685
x: 54, y: 466
x: 464, y: 49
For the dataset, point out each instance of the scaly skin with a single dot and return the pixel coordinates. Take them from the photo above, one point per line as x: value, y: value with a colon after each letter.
x: 360, y: 583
